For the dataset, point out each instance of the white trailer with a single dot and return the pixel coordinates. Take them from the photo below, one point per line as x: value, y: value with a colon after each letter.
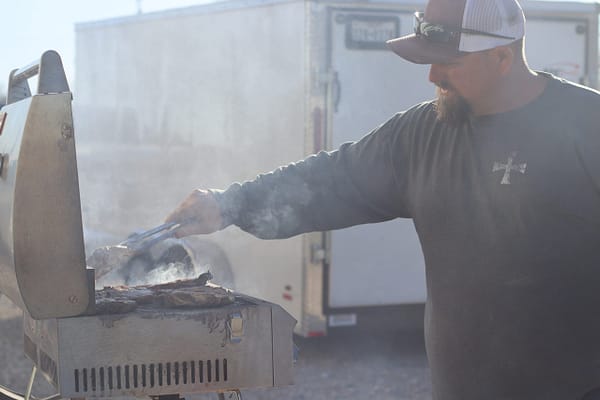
x: 207, y: 95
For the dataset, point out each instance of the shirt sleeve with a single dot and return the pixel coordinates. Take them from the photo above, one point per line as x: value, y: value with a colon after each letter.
x: 361, y: 182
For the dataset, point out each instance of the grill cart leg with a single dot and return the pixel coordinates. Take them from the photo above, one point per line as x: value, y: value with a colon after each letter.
x: 230, y: 395
x: 9, y: 394
x: 30, y: 384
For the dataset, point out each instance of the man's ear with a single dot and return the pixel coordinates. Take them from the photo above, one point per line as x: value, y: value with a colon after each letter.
x: 504, y: 57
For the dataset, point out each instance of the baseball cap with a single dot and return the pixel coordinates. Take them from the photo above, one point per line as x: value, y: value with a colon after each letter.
x: 450, y: 28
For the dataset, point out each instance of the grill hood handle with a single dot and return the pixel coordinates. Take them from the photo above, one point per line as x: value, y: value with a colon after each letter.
x: 51, y: 78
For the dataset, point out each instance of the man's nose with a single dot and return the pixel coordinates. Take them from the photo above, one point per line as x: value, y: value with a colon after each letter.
x: 436, y: 73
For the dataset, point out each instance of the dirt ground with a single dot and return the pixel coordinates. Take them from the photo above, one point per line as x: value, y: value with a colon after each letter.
x: 351, y: 363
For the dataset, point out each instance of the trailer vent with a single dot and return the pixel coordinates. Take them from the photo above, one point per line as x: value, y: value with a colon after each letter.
x: 118, y: 377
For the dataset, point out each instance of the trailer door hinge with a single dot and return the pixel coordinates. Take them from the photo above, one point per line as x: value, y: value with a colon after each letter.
x: 317, y: 254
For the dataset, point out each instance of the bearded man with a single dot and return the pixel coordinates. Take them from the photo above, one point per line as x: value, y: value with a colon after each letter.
x: 501, y: 176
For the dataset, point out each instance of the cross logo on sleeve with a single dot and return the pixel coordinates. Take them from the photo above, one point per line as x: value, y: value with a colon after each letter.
x: 508, y: 167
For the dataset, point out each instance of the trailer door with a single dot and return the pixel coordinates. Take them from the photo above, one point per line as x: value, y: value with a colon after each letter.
x: 559, y: 46
x: 377, y: 264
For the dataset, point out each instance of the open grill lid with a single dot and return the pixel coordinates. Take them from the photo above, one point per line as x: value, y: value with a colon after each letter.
x: 42, y: 256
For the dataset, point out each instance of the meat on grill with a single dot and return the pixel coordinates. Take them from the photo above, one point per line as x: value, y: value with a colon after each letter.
x: 181, y: 293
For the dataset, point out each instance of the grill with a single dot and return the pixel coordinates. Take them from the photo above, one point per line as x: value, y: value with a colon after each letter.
x: 155, y: 351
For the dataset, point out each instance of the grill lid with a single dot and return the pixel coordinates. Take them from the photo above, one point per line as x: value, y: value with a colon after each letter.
x: 42, y: 257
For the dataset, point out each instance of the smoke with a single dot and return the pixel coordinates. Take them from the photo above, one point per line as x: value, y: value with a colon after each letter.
x: 166, y: 261
x: 150, y: 132
x: 164, y: 273
x: 158, y: 274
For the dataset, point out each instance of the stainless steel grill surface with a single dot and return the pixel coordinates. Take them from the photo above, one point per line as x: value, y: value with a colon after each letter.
x: 155, y: 351
x: 154, y: 348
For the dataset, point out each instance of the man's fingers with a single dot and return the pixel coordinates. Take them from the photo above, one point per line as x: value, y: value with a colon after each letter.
x: 198, y: 213
x: 187, y: 228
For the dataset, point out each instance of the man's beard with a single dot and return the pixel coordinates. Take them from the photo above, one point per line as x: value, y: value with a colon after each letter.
x: 452, y: 109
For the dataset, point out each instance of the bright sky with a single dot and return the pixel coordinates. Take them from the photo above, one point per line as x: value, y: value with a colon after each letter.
x: 29, y: 27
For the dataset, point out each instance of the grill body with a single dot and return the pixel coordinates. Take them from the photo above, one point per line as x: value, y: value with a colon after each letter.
x: 151, y: 352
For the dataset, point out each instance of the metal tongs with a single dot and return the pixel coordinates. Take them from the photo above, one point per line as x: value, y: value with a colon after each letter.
x: 139, y: 242
x: 108, y: 258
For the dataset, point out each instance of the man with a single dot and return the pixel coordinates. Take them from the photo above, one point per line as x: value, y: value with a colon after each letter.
x: 501, y: 175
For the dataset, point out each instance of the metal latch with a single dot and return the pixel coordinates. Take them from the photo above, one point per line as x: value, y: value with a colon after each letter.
x: 235, y: 326
x: 2, y: 119
x: 3, y: 165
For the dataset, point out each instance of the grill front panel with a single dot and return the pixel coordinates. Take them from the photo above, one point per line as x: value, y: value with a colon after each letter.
x: 152, y: 352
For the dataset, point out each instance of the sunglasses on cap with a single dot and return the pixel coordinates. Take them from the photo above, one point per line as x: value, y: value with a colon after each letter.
x: 441, y: 34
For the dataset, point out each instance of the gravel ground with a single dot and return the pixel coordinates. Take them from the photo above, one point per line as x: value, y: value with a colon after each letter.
x: 350, y: 364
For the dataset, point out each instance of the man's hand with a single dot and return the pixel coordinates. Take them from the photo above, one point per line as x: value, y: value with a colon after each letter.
x: 199, y: 213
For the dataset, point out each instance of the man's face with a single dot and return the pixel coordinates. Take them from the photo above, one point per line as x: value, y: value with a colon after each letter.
x: 462, y: 85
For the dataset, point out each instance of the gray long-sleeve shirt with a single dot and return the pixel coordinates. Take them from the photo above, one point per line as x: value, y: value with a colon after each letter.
x: 507, y: 209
